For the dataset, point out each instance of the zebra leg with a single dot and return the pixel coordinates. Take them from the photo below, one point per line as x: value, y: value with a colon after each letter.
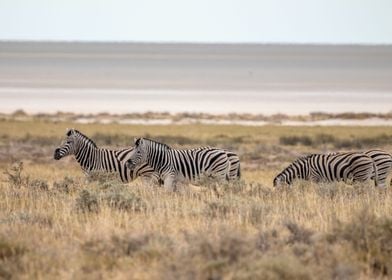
x: 150, y: 181
x: 169, y: 183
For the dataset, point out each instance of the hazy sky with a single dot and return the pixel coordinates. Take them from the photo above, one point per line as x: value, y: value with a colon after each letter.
x: 310, y: 21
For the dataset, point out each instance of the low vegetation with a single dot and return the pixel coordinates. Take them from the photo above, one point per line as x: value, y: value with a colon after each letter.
x: 57, y: 223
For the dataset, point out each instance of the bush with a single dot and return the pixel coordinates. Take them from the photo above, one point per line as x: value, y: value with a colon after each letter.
x: 87, y: 202
x: 295, y: 140
x: 39, y: 185
x: 279, y: 267
x: 370, y: 238
x: 67, y: 185
x: 10, y: 249
x: 298, y: 234
x: 14, y: 175
x: 121, y: 198
x: 324, y: 139
x: 103, y: 177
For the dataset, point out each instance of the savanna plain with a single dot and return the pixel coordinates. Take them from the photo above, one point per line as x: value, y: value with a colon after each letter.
x: 57, y: 223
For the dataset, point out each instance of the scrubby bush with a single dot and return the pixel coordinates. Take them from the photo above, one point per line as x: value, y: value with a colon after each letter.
x: 39, y: 185
x: 370, y: 239
x: 338, y: 143
x: 67, y: 185
x: 295, y: 140
x: 10, y: 249
x: 87, y: 201
x: 120, y: 197
x: 14, y: 175
x: 103, y: 177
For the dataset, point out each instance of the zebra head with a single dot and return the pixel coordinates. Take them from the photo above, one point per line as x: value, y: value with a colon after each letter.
x: 138, y: 154
x: 69, y: 145
x: 299, y: 169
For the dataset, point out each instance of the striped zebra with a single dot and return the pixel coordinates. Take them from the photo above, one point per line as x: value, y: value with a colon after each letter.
x: 351, y: 166
x: 174, y: 165
x: 383, y: 161
x: 91, y: 158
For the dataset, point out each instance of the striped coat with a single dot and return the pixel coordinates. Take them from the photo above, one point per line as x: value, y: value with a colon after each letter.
x: 175, y: 164
x: 92, y: 158
x: 347, y: 167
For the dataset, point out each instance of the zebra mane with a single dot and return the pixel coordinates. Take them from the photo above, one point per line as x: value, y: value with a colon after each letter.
x: 299, y: 159
x: 157, y: 142
x: 304, y: 157
x: 88, y: 140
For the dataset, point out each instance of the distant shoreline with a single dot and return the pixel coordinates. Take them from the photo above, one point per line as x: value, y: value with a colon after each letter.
x: 165, y: 118
x: 175, y: 101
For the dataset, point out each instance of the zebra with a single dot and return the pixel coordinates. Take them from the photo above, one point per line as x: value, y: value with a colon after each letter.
x: 91, y: 158
x: 177, y: 164
x: 383, y: 161
x: 347, y: 166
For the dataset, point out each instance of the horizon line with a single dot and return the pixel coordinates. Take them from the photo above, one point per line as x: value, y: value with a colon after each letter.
x: 193, y: 42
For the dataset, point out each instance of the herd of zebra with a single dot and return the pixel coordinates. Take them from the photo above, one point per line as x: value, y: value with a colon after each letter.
x: 160, y: 164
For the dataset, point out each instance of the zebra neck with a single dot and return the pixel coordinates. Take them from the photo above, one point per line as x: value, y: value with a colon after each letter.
x: 86, y: 157
x: 158, y: 158
x: 91, y: 158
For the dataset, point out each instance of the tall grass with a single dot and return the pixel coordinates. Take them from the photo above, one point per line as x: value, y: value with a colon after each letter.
x: 57, y: 223
x: 103, y: 229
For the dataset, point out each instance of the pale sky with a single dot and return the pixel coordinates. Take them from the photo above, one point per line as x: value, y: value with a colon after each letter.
x: 252, y: 21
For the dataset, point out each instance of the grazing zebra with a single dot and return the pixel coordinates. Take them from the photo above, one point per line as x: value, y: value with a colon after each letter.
x: 92, y: 158
x: 174, y: 164
x: 383, y: 161
x: 329, y: 167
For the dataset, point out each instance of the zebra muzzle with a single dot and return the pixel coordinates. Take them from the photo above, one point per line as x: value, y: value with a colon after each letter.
x: 57, y: 154
x: 130, y: 164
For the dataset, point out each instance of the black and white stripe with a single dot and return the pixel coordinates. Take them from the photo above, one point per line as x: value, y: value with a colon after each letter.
x: 351, y: 166
x: 234, y: 165
x: 175, y: 164
x: 383, y: 161
x: 92, y: 158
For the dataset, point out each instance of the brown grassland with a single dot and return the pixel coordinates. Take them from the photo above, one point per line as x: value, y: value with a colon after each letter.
x: 55, y: 223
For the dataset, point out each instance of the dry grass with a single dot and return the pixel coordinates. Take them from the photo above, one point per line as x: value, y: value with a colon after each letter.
x: 55, y: 223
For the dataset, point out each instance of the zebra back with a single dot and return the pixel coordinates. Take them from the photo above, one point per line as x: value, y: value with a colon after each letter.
x: 341, y: 167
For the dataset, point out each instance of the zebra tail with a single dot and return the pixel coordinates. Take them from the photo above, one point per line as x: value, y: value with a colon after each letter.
x: 375, y: 174
x: 239, y: 171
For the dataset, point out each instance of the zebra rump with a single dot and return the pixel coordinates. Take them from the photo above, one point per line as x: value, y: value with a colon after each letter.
x: 383, y: 161
x: 347, y: 167
x: 234, y: 172
x: 92, y: 158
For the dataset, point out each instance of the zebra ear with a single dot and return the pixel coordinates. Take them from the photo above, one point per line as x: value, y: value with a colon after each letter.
x: 69, y: 131
x: 138, y: 141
